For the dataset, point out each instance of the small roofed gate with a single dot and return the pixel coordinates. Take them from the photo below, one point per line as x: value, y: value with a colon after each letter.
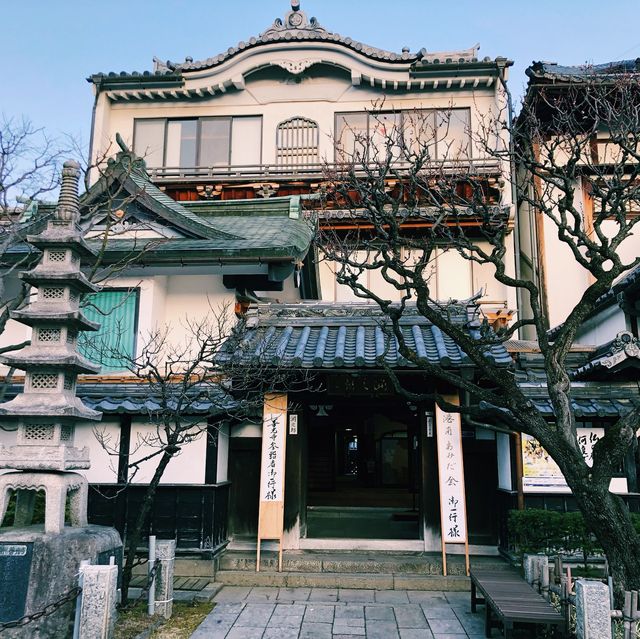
x: 297, y: 142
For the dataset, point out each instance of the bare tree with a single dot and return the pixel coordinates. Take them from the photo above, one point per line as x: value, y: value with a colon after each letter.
x: 29, y: 171
x: 191, y: 381
x: 404, y: 182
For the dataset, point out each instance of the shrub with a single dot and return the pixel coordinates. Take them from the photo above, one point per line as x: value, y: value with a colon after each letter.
x: 536, y: 530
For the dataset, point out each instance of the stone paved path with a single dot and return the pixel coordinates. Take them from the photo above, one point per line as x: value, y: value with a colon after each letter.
x: 330, y: 613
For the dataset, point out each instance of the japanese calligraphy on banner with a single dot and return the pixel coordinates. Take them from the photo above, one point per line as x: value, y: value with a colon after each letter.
x: 273, y: 446
x: 451, y: 477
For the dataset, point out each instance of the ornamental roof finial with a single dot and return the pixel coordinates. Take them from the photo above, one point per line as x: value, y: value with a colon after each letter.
x: 68, y: 203
x: 295, y: 5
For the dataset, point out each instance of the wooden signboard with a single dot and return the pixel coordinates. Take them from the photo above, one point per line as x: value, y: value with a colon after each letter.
x: 453, y: 504
x: 274, y: 440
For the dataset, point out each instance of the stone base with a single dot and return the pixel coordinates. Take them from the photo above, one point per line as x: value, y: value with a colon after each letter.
x: 37, y: 569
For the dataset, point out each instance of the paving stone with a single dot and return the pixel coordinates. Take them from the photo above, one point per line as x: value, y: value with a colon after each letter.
x: 456, y: 598
x: 446, y: 626
x: 245, y: 632
x: 208, y: 633
x: 289, y: 610
x: 294, y: 594
x: 383, y: 613
x: 281, y: 633
x: 391, y: 596
x: 426, y: 596
x: 324, y: 594
x: 357, y: 631
x: 367, y: 596
x: 232, y: 594
x: 414, y: 633
x: 349, y: 623
x: 319, y: 613
x: 255, y: 615
x: 410, y: 616
x: 228, y: 608
x: 315, y: 631
x: 350, y: 611
x: 377, y: 629
x: 293, y: 621
x: 438, y: 611
x: 263, y: 594
x: 472, y: 624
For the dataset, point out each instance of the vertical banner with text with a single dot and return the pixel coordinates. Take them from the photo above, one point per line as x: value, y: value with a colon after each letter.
x: 453, y: 506
x: 274, y: 440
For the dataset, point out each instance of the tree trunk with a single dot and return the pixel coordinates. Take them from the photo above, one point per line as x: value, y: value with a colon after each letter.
x: 134, y: 536
x: 607, y: 516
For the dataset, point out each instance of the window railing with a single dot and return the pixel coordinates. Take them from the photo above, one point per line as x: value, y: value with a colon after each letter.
x: 262, y: 172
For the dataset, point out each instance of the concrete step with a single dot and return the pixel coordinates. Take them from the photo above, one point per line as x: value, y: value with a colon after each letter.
x: 371, y: 581
x: 366, y: 563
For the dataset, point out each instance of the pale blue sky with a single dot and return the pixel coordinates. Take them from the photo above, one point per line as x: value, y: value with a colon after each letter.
x: 50, y: 47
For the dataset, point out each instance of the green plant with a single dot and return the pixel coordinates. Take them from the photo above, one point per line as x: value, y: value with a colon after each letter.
x: 536, y: 530
x: 579, y: 538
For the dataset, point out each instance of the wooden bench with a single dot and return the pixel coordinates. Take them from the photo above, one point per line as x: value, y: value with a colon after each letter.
x: 510, y: 600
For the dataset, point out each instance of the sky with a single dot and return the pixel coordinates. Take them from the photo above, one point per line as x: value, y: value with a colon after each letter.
x: 49, y: 47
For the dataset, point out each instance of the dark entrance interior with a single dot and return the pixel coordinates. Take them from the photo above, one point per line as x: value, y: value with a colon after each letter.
x: 362, y: 472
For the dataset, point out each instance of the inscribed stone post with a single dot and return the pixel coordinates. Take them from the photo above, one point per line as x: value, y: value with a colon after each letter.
x: 99, y: 594
x: 593, y: 616
x: 166, y: 554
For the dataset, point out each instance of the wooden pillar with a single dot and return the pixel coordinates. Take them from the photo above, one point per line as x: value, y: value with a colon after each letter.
x: 428, y: 473
x: 295, y: 504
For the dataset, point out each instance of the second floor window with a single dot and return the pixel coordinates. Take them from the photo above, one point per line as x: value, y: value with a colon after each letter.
x: 443, y: 134
x: 204, y: 142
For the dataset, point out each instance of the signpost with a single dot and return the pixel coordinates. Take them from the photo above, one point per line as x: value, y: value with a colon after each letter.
x: 453, y: 505
x: 274, y: 440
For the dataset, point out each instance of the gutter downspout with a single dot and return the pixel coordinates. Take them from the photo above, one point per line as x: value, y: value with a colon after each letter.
x: 97, y: 86
x: 514, y: 189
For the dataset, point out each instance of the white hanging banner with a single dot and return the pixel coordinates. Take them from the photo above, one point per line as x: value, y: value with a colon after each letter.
x: 451, y: 478
x: 273, y: 443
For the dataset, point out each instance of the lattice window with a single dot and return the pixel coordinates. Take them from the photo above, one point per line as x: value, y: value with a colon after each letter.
x: 38, y: 432
x: 57, y: 256
x: 44, y: 381
x: 297, y: 142
x: 71, y: 336
x: 75, y: 258
x: 66, y: 433
x: 69, y: 382
x: 52, y: 293
x: 49, y: 335
x: 73, y: 296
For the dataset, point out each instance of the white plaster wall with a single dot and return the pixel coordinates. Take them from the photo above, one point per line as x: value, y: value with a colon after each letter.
x: 318, y: 94
x: 246, y: 429
x: 104, y: 458
x: 503, y: 449
x: 223, y: 454
x: 194, y: 298
x: 187, y: 467
x: 602, y: 327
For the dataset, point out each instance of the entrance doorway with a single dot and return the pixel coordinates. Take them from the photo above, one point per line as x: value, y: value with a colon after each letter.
x: 362, y: 473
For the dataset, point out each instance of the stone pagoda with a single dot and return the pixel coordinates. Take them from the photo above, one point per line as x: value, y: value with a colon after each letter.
x: 47, y: 410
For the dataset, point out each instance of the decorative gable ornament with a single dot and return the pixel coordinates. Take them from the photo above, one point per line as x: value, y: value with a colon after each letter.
x: 294, y: 20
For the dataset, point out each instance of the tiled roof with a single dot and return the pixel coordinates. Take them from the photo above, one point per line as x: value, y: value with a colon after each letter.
x: 349, y: 336
x: 550, y: 71
x: 594, y: 407
x: 294, y: 28
x: 135, y: 399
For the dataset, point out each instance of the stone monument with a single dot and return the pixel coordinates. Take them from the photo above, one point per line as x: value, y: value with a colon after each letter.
x: 37, y: 567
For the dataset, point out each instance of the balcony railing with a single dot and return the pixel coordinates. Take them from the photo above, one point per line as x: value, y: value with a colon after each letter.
x: 315, y: 171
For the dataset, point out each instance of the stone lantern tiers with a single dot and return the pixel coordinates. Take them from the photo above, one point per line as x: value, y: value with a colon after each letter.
x: 47, y: 411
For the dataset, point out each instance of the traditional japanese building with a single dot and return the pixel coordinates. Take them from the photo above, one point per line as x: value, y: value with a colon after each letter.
x: 218, y: 191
